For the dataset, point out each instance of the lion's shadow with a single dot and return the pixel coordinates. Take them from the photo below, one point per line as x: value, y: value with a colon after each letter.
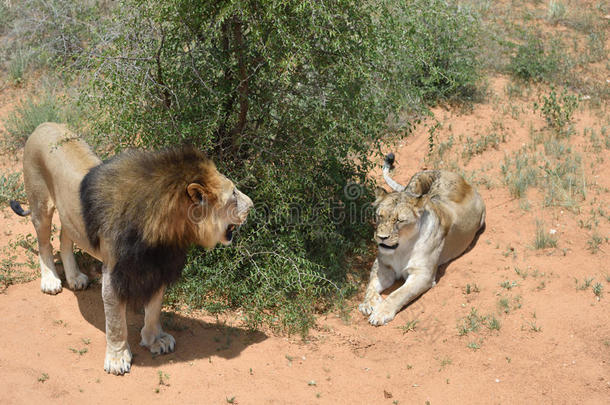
x: 195, y: 339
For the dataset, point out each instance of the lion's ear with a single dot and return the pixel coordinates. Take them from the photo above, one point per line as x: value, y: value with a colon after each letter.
x: 379, y: 194
x: 196, y: 192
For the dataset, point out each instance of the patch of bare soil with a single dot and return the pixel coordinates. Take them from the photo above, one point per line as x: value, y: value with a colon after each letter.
x: 549, y: 343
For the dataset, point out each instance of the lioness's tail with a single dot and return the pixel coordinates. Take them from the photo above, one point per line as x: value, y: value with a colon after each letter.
x: 18, y: 209
x: 388, y: 164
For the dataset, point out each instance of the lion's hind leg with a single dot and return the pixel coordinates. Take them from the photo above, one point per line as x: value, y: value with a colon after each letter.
x: 76, y: 279
x: 42, y: 215
x: 153, y: 336
x: 381, y: 278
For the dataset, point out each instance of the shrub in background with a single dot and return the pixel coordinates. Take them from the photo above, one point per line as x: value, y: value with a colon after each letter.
x: 291, y: 99
x: 24, y: 119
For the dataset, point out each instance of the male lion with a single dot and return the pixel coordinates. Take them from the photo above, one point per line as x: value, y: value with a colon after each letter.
x: 427, y: 223
x: 137, y: 212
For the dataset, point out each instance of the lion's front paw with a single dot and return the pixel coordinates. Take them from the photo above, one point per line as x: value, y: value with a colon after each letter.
x: 49, y: 284
x: 369, y: 305
x: 80, y: 282
x: 163, y: 343
x: 118, y: 362
x: 382, y: 315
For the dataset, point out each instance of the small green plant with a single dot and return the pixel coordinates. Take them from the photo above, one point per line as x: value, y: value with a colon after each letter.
x: 471, y: 289
x: 11, y: 269
x: 558, y: 110
x: 17, y: 66
x: 446, y: 361
x: 409, y: 326
x: 522, y: 273
x: 519, y: 172
x: 543, y: 238
x: 493, y: 323
x: 585, y: 284
x: 504, y: 304
x: 11, y: 188
x: 231, y: 400
x: 470, y: 323
x: 44, y: 377
x: 508, y: 284
x: 534, y: 327
x: 80, y: 352
x: 597, y: 290
x: 556, y: 11
x: 474, y: 345
x: 163, y: 378
x: 594, y: 243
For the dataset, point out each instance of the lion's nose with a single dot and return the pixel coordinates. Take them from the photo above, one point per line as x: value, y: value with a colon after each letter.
x: 383, y: 237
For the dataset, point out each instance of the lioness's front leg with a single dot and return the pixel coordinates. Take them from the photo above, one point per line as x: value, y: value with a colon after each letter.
x: 381, y: 278
x: 418, y: 282
x: 118, y: 355
x: 153, y: 337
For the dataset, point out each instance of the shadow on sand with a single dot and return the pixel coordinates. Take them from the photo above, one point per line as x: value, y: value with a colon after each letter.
x: 195, y: 339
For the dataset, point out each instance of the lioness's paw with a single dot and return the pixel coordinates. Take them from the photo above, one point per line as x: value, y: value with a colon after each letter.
x: 368, y: 306
x: 50, y: 284
x: 118, y: 362
x: 164, y: 343
x: 382, y: 315
x: 80, y: 282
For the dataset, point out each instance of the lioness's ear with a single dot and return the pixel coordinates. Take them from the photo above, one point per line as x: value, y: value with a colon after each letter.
x: 196, y: 192
x: 379, y: 194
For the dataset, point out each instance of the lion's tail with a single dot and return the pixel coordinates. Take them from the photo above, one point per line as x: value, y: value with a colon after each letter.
x: 18, y: 209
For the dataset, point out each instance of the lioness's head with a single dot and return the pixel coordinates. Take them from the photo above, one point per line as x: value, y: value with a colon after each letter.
x: 397, y: 217
x: 217, y: 208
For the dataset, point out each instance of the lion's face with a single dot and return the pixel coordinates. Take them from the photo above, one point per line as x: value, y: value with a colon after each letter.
x: 217, y: 212
x: 397, y: 219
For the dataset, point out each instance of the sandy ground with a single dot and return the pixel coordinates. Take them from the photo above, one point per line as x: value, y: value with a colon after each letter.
x: 553, y: 345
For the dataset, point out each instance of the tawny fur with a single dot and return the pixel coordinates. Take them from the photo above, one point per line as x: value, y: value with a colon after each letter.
x: 430, y: 222
x: 137, y: 213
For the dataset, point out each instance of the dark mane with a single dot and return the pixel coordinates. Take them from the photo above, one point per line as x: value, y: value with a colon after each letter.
x: 137, y: 201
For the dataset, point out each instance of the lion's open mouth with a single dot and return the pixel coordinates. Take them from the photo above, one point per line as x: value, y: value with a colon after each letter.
x: 229, y: 232
x: 392, y: 247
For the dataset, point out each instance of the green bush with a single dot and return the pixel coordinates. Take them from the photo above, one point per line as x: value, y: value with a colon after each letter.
x: 437, y: 48
x: 291, y: 99
x: 532, y: 61
x: 27, y: 116
x: 50, y: 33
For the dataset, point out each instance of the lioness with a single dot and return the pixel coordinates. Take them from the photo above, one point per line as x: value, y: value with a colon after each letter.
x: 427, y: 223
x: 137, y: 212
